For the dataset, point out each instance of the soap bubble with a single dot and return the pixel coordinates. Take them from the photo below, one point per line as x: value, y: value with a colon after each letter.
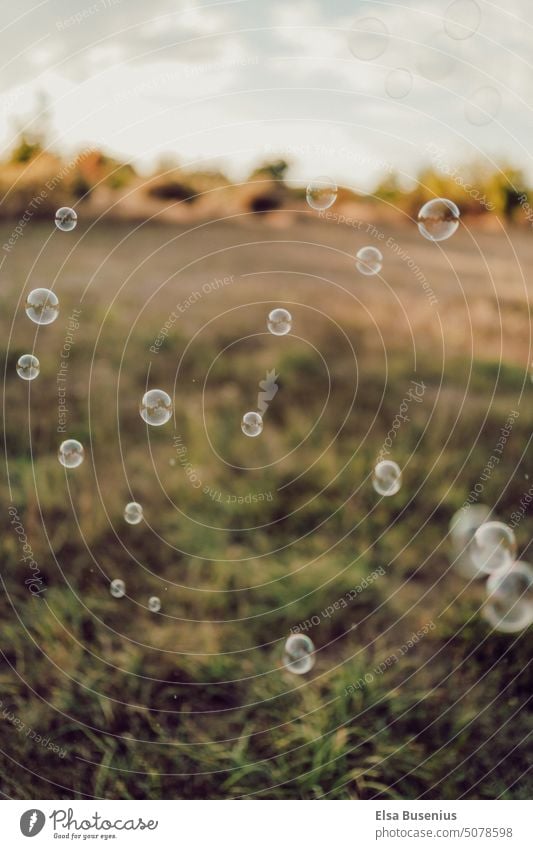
x: 117, y: 588
x: 321, y: 193
x: 387, y: 477
x: 462, y: 19
x: 463, y: 527
x: 133, y: 513
x: 368, y: 38
x: 483, y: 105
x: 252, y: 424
x: 509, y: 605
x: 156, y: 407
x: 28, y: 367
x: 369, y: 260
x: 279, y: 322
x: 66, y: 219
x: 399, y: 83
x: 71, y: 453
x: 438, y: 219
x: 299, y: 654
x: 494, y: 546
x: 42, y: 306
x: 154, y: 604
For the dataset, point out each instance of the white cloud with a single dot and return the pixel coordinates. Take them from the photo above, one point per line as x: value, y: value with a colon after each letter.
x: 149, y: 78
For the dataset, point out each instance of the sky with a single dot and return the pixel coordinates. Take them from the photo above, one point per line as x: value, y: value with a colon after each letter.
x: 351, y: 90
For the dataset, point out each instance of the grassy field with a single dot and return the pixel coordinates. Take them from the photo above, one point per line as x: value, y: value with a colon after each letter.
x: 245, y: 538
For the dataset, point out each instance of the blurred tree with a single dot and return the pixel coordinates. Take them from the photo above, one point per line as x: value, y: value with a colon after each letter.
x: 32, y: 134
x: 276, y: 170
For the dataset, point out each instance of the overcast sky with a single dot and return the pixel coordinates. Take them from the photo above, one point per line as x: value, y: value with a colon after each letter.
x: 237, y: 82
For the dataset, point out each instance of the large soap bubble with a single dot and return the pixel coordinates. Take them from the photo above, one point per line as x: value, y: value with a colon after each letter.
x: 42, y: 306
x: 66, y: 219
x: 509, y: 605
x: 321, y: 193
x: 252, y: 424
x: 494, y: 546
x: 71, y: 453
x: 438, y: 219
x: 156, y: 407
x: 368, y: 38
x: 463, y: 527
x: 279, y: 321
x: 369, y: 260
x: 28, y: 367
x: 133, y: 513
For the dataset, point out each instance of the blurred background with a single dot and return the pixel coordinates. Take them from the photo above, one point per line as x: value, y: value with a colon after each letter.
x: 184, y: 137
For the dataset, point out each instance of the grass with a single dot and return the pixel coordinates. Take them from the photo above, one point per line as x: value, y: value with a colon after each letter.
x: 194, y: 702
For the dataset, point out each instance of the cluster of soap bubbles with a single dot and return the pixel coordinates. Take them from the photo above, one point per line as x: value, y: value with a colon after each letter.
x: 435, y: 58
x: 483, y: 548
x: 42, y: 307
x: 117, y: 588
x: 279, y: 323
x: 438, y: 220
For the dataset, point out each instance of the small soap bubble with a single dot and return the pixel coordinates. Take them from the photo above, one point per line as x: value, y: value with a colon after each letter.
x: 399, y: 83
x: 252, y: 424
x: 369, y: 260
x: 133, y: 513
x: 71, y: 453
x: 28, y: 367
x: 42, y: 306
x: 438, y: 219
x: 387, y: 477
x: 117, y: 588
x: 494, y: 546
x: 154, y: 604
x: 483, y: 105
x: 66, y: 219
x: 368, y: 38
x: 156, y: 407
x: 279, y: 322
x: 321, y: 193
x: 299, y: 654
x: 463, y: 526
x: 509, y: 605
x: 462, y: 19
